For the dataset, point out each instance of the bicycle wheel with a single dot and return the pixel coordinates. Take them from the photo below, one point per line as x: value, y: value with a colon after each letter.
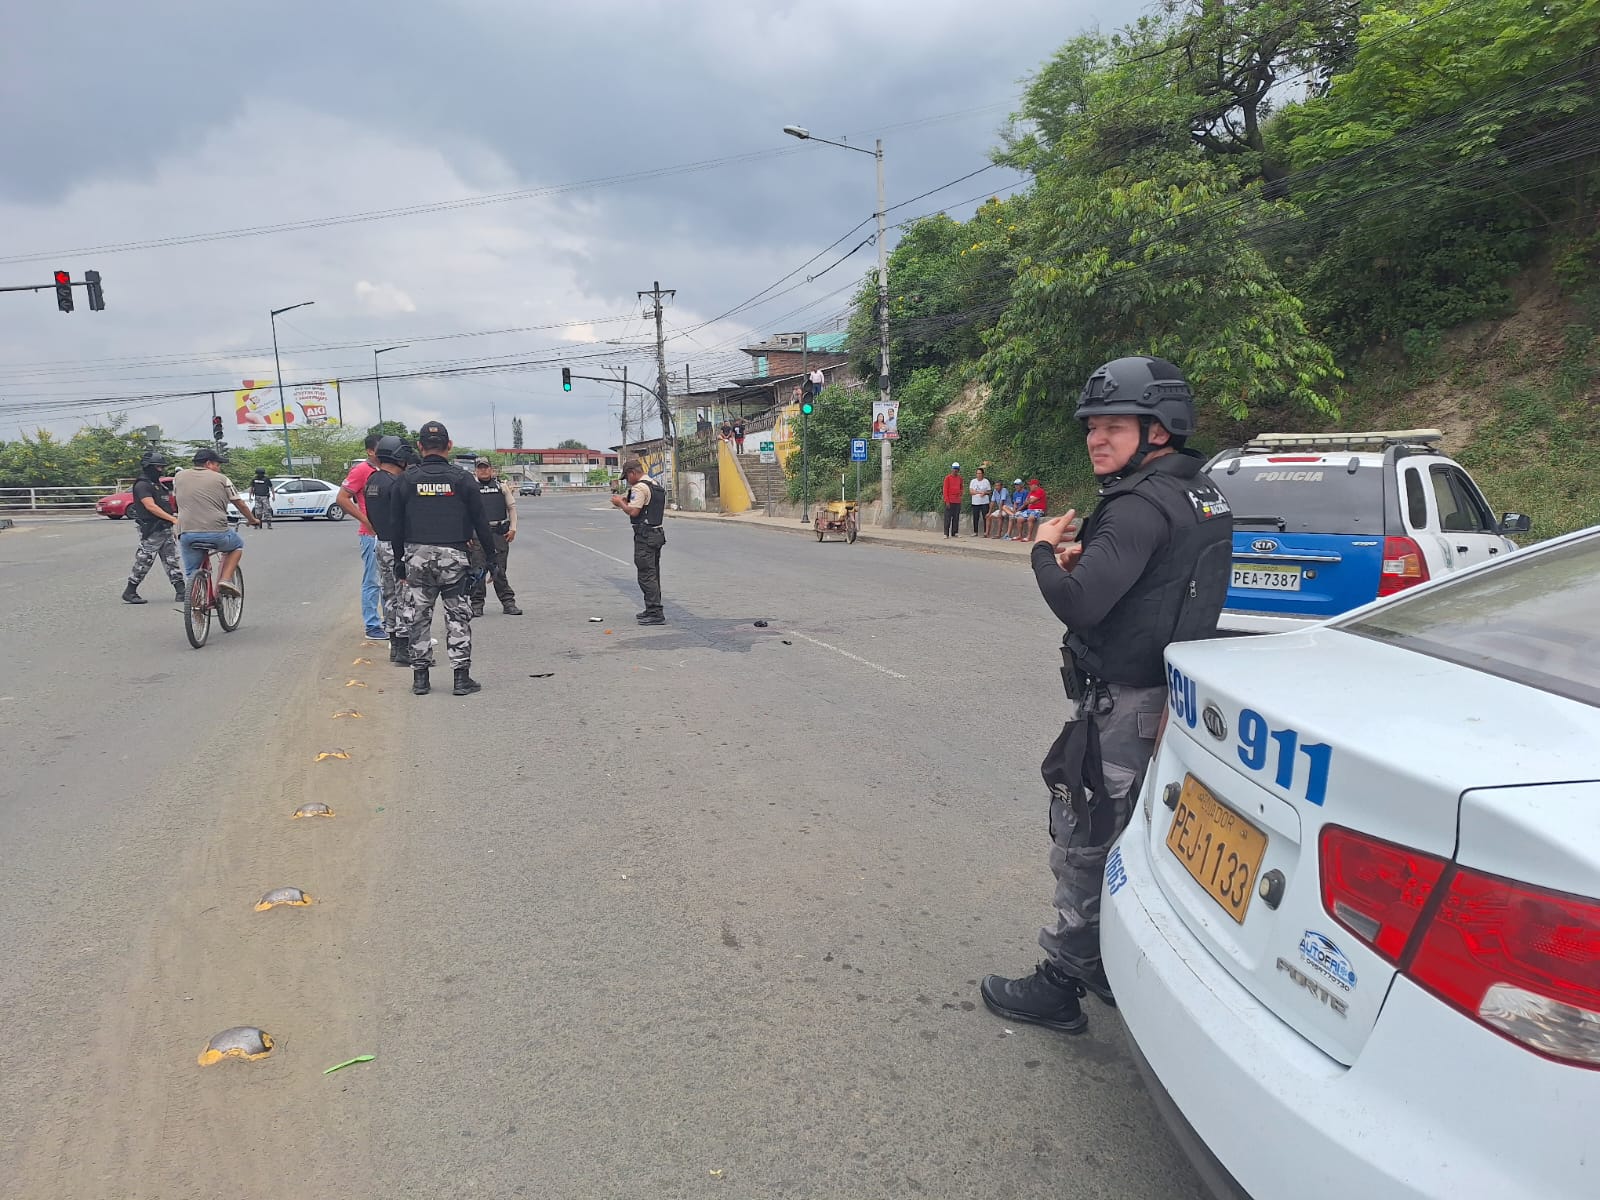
x: 230, y: 609
x: 197, y: 608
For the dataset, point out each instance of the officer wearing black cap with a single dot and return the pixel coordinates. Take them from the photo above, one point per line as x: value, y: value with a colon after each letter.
x: 437, y: 510
x: 500, y: 507
x: 397, y: 616
x: 1149, y: 567
x: 646, y: 506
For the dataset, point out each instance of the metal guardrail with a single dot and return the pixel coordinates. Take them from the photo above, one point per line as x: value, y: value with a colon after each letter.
x: 52, y: 499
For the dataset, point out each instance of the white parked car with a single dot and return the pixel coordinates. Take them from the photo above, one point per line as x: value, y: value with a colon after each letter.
x: 1354, y: 925
x: 306, y: 499
x: 1325, y: 522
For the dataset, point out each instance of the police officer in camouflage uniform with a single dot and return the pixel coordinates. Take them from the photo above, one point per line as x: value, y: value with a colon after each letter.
x: 437, y: 510
x: 397, y: 615
x: 153, y: 511
x: 1149, y: 567
x: 500, y: 507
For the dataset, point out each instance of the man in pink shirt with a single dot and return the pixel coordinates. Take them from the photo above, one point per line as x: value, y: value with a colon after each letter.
x: 353, y: 499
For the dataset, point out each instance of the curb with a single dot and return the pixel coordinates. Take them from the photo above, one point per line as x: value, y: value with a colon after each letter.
x: 955, y: 548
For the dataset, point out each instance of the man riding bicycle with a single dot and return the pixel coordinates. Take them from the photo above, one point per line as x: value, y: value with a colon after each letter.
x: 261, y: 494
x: 203, y: 496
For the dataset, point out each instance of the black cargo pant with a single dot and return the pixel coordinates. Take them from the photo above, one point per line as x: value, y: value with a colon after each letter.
x: 952, y: 519
x: 1092, y: 772
x: 476, y: 560
x: 647, y: 543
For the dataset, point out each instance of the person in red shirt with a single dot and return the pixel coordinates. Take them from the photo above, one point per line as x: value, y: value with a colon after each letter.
x: 1029, y: 512
x: 954, y: 490
x: 353, y: 499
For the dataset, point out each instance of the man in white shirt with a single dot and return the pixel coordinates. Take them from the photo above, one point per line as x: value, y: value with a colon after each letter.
x: 980, y: 488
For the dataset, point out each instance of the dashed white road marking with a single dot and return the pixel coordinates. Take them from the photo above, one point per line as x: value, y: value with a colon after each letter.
x: 590, y: 549
x: 865, y: 662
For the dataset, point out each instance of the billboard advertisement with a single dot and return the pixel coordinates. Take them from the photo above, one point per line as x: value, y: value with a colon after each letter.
x: 885, y: 420
x: 255, y: 405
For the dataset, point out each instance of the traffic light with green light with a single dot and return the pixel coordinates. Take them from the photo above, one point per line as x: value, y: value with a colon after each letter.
x: 566, y: 379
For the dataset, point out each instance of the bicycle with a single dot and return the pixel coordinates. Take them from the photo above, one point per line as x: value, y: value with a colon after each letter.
x: 201, y: 598
x: 262, y: 509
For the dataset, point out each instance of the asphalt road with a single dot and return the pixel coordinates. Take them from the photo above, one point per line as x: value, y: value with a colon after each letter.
x: 685, y: 911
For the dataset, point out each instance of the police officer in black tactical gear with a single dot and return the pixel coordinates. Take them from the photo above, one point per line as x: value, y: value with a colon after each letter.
x: 437, y: 510
x: 1149, y: 567
x: 646, y: 506
x: 154, y: 512
x: 397, y: 616
x: 500, y: 507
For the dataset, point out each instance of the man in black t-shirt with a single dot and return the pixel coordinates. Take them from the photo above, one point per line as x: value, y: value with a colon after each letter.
x: 154, y: 512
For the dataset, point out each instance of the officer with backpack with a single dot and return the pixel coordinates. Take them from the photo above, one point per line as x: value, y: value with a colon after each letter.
x: 154, y: 511
x: 437, y: 510
x: 397, y: 616
x: 646, y: 506
x: 1149, y: 567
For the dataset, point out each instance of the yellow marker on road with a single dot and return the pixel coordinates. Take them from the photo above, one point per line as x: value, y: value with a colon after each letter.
x: 331, y: 754
x: 242, y: 1041
x: 354, y: 683
x: 362, y: 662
x: 349, y: 713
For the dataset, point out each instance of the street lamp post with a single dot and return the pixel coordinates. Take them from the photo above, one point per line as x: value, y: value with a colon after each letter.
x: 375, y: 377
x: 805, y: 135
x: 277, y: 367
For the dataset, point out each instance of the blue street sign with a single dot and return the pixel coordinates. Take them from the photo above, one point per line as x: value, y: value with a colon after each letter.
x: 858, y: 449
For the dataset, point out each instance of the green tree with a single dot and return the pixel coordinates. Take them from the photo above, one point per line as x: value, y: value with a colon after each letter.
x: 389, y: 429
x: 570, y: 444
x: 516, y: 433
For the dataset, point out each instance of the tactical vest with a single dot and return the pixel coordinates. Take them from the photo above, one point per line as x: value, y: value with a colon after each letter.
x: 654, y: 512
x: 380, y: 511
x: 435, y: 512
x: 161, y: 493
x: 1180, y: 595
x: 494, y: 502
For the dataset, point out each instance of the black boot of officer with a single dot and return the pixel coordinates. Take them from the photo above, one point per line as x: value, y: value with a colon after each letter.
x: 465, y: 683
x: 419, y: 681
x: 399, y: 650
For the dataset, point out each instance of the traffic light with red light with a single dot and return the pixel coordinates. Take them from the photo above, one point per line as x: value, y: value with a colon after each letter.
x: 216, y: 429
x: 97, y: 297
x: 63, y: 291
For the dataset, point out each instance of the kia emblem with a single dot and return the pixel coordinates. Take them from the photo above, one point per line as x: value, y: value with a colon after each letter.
x: 1263, y: 545
x: 1216, y: 723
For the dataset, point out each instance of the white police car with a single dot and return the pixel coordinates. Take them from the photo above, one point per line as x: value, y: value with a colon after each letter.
x: 1324, y: 522
x: 1354, y: 925
x: 306, y: 499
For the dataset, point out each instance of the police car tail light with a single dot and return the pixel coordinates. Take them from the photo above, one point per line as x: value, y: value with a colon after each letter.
x: 1375, y: 889
x: 1403, y: 566
x: 1522, y: 960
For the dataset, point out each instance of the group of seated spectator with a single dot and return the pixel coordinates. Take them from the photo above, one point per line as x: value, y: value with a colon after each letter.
x: 1016, y: 511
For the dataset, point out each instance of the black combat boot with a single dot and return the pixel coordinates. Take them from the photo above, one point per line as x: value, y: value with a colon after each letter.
x: 477, y: 609
x: 399, y: 651
x: 177, y: 592
x: 465, y: 683
x: 419, y: 681
x: 131, y: 595
x: 510, y: 609
x: 1099, y: 985
x: 1048, y: 997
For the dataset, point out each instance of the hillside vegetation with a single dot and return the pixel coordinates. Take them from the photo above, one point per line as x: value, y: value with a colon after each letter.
x: 1331, y: 215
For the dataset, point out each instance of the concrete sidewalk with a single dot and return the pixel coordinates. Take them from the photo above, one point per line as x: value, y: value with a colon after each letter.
x: 905, y: 539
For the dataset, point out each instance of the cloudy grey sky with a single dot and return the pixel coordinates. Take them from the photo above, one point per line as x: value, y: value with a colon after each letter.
x: 139, y: 123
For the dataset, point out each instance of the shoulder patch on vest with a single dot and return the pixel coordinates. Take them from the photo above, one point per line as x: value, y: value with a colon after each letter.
x: 1207, y: 502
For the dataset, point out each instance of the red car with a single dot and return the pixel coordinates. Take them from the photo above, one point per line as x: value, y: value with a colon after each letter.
x: 116, y: 507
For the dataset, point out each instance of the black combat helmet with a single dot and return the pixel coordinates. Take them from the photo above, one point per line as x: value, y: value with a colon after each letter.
x: 153, y: 464
x: 1150, y: 388
x: 391, y: 449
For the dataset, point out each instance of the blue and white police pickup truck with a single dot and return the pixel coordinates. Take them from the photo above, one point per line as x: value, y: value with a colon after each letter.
x: 1324, y: 522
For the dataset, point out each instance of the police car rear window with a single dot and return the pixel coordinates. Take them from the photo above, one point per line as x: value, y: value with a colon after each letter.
x: 1294, y: 497
x: 1530, y: 619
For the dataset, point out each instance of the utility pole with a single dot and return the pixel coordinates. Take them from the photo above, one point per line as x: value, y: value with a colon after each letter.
x: 805, y: 429
x: 494, y: 429
x: 887, y: 479
x: 669, y: 430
